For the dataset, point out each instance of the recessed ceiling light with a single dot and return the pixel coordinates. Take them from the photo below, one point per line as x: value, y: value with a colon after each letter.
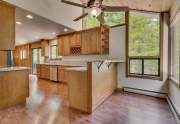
x: 65, y: 29
x: 19, y: 23
x: 36, y: 37
x: 29, y: 16
x: 53, y: 33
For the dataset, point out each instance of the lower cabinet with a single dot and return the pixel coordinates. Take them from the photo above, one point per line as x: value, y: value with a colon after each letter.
x: 38, y: 70
x: 62, y: 74
x: 44, y: 71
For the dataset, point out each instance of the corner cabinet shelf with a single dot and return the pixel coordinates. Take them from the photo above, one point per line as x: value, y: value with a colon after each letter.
x: 86, y: 42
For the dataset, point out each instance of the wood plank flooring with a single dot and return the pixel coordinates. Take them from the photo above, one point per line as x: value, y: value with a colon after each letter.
x: 48, y: 104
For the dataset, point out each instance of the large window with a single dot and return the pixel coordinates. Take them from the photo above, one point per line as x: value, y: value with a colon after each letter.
x: 110, y: 19
x: 144, y: 45
x: 53, y: 52
x: 23, y: 54
x: 176, y: 50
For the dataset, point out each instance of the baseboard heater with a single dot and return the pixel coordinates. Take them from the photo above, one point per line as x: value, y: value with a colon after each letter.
x: 145, y: 92
x: 174, y: 110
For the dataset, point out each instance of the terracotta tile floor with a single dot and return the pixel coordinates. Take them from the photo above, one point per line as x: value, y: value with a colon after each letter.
x: 48, y: 104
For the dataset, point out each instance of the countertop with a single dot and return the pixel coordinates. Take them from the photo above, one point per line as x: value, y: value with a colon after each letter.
x: 66, y: 63
x: 81, y: 69
x: 6, y: 69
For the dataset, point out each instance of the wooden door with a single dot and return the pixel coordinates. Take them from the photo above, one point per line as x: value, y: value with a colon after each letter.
x: 7, y: 27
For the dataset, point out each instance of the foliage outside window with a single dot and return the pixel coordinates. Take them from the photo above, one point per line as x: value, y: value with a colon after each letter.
x: 53, y: 52
x: 176, y: 50
x: 144, y: 45
x: 110, y: 19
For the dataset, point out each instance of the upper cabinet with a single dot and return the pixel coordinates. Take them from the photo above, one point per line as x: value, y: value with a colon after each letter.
x: 45, y: 48
x: 64, y: 45
x: 7, y: 24
x: 86, y: 42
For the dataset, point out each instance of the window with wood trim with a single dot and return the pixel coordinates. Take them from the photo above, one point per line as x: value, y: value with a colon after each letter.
x: 175, y: 56
x: 144, y: 45
x: 109, y: 19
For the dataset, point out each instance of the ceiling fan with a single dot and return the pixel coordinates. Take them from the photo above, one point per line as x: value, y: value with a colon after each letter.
x: 95, y: 8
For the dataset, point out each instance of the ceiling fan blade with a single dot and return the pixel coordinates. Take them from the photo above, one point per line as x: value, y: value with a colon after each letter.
x: 114, y: 8
x: 90, y: 3
x: 74, y: 4
x: 80, y: 17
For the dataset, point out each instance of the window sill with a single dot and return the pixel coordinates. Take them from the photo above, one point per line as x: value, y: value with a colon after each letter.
x: 145, y: 77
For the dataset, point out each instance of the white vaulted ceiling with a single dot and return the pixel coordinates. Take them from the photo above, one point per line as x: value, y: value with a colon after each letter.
x: 31, y: 30
x: 53, y: 10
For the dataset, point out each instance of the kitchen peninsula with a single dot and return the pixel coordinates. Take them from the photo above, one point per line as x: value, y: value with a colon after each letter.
x: 14, y: 85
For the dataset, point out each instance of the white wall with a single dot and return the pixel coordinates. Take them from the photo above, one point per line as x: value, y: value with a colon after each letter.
x: 53, y: 10
x: 174, y: 89
x: 117, y: 38
x: 147, y: 84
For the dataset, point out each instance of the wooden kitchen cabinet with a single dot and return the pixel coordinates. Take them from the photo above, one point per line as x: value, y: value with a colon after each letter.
x: 91, y: 41
x: 7, y: 24
x: 38, y: 70
x: 75, y: 39
x: 3, y: 58
x: 45, y: 72
x: 64, y: 45
x: 62, y: 74
x: 85, y: 42
x: 45, y: 48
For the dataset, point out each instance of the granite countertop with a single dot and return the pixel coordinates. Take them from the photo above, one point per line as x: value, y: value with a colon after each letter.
x: 77, y: 69
x: 5, y: 69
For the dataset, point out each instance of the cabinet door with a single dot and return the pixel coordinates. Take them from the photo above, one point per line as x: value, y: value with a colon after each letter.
x: 38, y: 68
x: 45, y: 48
x: 45, y: 72
x: 91, y: 41
x: 75, y: 40
x: 7, y: 27
x: 62, y: 74
x: 3, y: 58
x: 64, y: 45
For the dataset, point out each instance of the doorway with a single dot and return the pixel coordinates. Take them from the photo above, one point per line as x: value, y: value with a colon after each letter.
x: 36, y: 58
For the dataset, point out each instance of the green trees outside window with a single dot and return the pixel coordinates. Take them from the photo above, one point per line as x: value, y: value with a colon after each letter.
x: 144, y: 44
x: 110, y: 19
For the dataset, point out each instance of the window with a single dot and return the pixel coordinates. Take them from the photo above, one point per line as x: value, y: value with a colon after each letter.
x: 90, y: 22
x: 110, y: 19
x: 23, y: 54
x: 144, y: 45
x: 176, y: 50
x: 114, y: 18
x: 53, y: 52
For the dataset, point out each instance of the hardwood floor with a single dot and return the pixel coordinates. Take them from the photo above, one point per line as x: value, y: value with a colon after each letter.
x: 48, y: 104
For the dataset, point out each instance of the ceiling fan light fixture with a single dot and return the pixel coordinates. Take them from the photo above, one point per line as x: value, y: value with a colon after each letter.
x: 95, y: 11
